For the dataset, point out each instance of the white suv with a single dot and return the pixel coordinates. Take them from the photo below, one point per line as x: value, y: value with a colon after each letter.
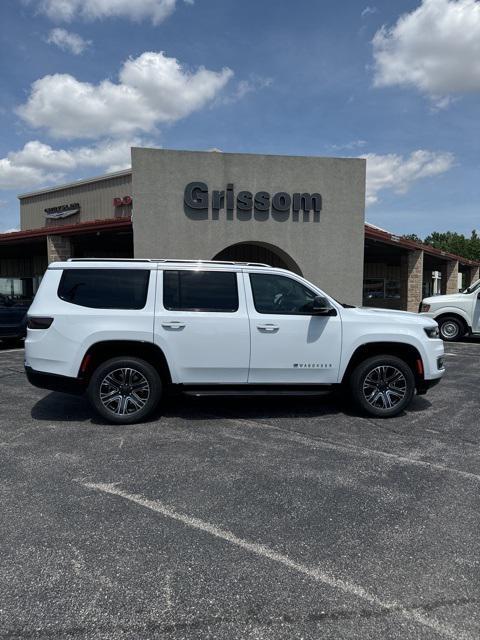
x: 457, y: 314
x: 123, y: 331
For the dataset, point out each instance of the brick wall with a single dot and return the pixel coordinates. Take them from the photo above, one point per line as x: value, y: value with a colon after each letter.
x: 450, y: 277
x: 58, y: 248
x: 412, y: 280
x: 473, y: 275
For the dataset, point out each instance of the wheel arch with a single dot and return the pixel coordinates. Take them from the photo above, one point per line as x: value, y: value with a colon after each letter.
x: 106, y: 349
x: 454, y: 314
x: 406, y: 352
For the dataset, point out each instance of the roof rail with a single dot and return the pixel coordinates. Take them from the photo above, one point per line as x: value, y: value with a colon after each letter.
x: 109, y: 260
x: 170, y: 261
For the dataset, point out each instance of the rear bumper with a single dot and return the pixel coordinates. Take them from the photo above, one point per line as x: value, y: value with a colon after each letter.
x: 54, y: 382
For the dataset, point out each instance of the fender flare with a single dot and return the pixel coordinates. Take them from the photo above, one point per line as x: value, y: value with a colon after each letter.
x: 453, y: 311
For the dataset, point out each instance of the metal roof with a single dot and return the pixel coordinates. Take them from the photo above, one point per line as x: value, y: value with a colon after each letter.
x: 371, y: 233
x: 66, y: 230
x: 380, y: 235
x: 77, y: 183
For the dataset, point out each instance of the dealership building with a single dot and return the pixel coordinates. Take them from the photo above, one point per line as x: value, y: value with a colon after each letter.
x: 305, y: 214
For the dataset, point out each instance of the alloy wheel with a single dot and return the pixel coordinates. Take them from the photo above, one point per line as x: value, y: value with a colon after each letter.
x: 384, y: 387
x: 124, y: 391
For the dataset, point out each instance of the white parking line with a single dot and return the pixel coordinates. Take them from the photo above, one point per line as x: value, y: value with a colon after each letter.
x: 315, y: 441
x: 263, y: 551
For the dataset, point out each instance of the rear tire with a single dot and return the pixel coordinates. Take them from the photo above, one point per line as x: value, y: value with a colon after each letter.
x: 451, y: 328
x: 125, y: 390
x: 382, y: 386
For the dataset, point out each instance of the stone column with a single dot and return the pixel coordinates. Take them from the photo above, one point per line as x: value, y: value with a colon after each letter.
x: 58, y: 248
x: 412, y: 280
x: 473, y: 275
x: 450, y: 277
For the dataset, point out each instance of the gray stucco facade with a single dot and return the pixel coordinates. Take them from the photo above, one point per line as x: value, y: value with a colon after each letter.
x: 326, y: 246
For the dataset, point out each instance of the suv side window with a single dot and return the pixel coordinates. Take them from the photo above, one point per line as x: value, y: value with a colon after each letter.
x: 105, y: 288
x: 281, y: 295
x: 214, y: 291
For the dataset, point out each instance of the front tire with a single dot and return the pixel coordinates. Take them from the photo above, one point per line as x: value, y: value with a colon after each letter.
x: 382, y: 386
x: 125, y: 390
x: 451, y: 328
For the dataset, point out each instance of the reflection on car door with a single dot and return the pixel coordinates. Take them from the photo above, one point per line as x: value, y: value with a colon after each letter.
x: 288, y: 344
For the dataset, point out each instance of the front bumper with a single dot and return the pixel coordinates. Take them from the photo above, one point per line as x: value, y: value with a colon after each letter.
x: 54, y: 382
x: 425, y: 385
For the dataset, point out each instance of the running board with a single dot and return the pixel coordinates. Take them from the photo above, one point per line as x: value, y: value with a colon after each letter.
x: 246, y: 391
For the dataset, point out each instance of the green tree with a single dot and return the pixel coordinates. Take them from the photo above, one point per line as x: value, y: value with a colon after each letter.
x: 413, y: 237
x: 457, y: 243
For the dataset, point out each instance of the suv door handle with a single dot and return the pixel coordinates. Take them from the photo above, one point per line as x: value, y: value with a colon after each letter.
x: 268, y: 328
x: 174, y: 324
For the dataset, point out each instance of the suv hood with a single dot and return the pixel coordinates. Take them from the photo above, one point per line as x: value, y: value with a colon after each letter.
x: 391, y: 315
x: 445, y: 299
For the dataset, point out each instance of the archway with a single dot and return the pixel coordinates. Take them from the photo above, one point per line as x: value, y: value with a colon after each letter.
x: 259, y: 252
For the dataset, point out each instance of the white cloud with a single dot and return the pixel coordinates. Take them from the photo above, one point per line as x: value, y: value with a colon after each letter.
x: 38, y: 164
x: 152, y: 89
x: 68, y: 41
x: 368, y: 10
x: 244, y: 87
x: 348, y: 146
x: 398, y: 173
x: 435, y: 48
x: 68, y: 10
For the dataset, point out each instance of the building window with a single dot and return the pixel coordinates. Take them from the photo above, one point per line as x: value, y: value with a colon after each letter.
x: 392, y: 290
x: 381, y: 289
x: 105, y: 288
x: 374, y: 289
x: 17, y: 288
x: 214, y: 291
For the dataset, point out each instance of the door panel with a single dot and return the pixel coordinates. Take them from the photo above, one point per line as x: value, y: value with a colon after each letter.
x: 203, y: 347
x: 289, y: 346
x: 476, y: 312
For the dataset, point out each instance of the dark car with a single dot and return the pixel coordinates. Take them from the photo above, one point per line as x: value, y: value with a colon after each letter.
x: 13, y: 318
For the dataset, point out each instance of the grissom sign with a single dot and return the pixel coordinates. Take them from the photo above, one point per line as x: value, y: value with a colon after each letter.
x: 197, y: 198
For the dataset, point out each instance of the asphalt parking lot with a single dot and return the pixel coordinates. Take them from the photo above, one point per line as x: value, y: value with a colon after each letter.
x: 251, y: 519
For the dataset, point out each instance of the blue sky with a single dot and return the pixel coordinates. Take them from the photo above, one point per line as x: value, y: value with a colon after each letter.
x: 303, y: 78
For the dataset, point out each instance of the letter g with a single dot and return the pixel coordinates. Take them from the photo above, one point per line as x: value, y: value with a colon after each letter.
x: 196, y: 195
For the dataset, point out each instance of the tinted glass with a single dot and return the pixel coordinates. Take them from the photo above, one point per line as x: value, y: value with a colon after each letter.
x: 105, y: 288
x: 200, y: 291
x: 279, y: 294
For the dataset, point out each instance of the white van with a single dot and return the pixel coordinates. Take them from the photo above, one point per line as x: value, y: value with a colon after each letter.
x: 457, y: 314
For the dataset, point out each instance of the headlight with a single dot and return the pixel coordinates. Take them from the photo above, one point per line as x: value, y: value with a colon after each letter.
x: 432, y: 332
x: 424, y: 308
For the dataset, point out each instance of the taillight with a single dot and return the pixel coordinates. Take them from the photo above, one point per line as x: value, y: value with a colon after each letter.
x: 38, y: 323
x: 424, y: 308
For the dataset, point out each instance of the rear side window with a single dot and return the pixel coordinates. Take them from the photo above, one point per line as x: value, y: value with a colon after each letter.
x: 214, y: 291
x: 105, y: 288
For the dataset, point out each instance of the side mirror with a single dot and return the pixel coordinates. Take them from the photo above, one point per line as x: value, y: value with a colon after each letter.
x: 322, y: 307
